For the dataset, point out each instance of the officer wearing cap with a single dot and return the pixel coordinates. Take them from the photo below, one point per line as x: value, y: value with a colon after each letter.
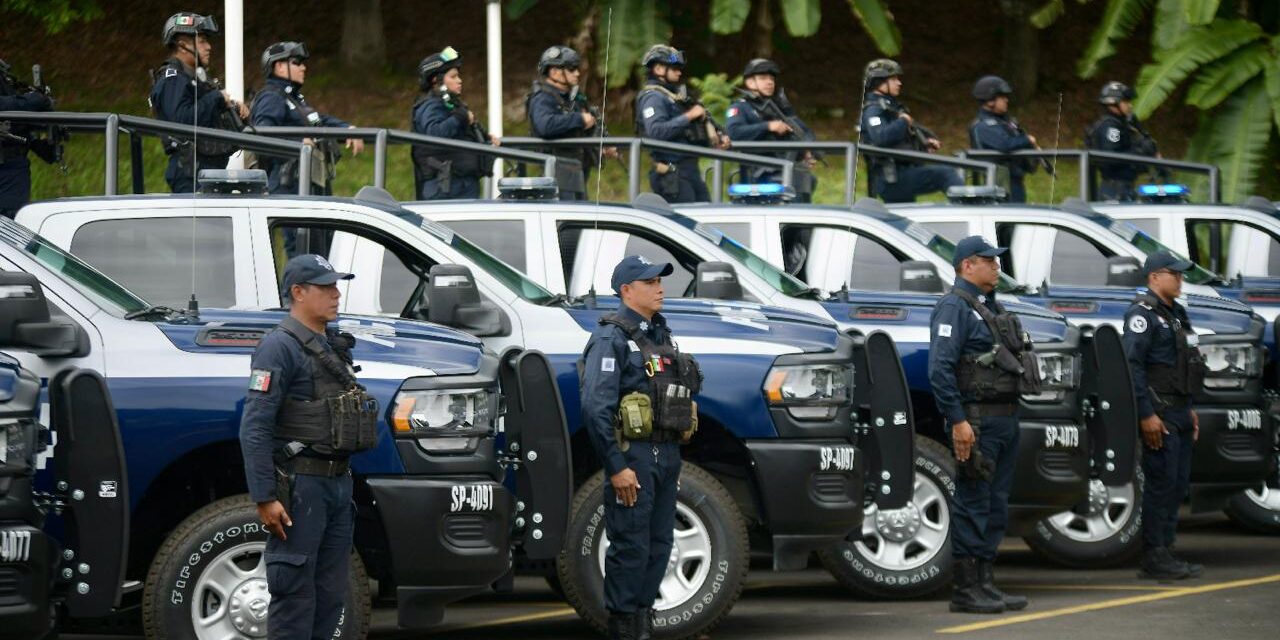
x: 280, y: 103
x: 15, y: 168
x: 637, y: 406
x: 980, y: 360
x: 557, y: 109
x: 887, y: 123
x: 764, y: 113
x: 995, y: 129
x: 296, y: 448
x: 1167, y: 368
x: 665, y: 111
x: 1119, y: 131
x: 446, y: 174
x: 182, y: 92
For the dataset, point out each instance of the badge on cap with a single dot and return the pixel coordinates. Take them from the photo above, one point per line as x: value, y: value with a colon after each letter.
x: 260, y: 380
x: 1138, y: 324
x: 324, y: 264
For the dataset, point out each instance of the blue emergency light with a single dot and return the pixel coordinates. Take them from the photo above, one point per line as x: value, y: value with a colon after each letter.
x: 764, y: 192
x: 1164, y: 192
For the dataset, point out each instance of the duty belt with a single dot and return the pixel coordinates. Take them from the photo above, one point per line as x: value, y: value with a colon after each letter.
x: 309, y: 466
x: 1170, y: 401
x: 990, y: 410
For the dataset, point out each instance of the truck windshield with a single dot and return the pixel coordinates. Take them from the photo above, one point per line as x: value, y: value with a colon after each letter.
x: 103, y: 291
x: 1148, y: 245
x: 773, y: 276
x: 505, y: 273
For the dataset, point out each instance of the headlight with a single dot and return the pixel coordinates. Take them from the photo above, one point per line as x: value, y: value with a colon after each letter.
x: 810, y: 392
x: 1059, y: 373
x: 1230, y: 365
x: 445, y: 419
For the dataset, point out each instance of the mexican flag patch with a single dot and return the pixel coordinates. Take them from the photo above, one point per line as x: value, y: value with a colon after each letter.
x: 260, y: 380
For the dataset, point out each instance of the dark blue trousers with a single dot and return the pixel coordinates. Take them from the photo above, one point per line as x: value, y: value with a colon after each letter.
x: 1167, y: 472
x: 307, y: 574
x: 15, y: 185
x: 915, y: 180
x: 640, y: 536
x: 980, y: 508
x: 460, y: 188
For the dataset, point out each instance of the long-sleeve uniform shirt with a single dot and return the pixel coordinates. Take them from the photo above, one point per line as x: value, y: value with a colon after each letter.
x: 881, y: 124
x: 955, y: 330
x: 281, y: 104
x: 659, y: 117
x: 1148, y: 339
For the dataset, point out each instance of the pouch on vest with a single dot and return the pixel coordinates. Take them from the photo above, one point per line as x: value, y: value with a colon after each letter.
x: 675, y: 408
x: 635, y: 416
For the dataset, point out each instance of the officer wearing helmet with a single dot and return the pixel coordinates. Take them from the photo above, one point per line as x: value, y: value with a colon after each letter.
x: 887, y: 123
x: 995, y: 129
x: 15, y: 168
x: 1118, y: 130
x: 764, y: 113
x: 182, y: 92
x: 557, y: 109
x: 665, y: 111
x: 280, y: 103
x: 445, y: 174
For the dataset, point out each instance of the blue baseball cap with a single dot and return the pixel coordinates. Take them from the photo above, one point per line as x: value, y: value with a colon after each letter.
x: 634, y: 268
x: 310, y: 268
x: 975, y: 246
x: 1165, y: 260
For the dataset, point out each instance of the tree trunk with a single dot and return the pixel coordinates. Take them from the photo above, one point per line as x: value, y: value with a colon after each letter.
x: 1020, y: 47
x: 762, y: 35
x: 363, y: 44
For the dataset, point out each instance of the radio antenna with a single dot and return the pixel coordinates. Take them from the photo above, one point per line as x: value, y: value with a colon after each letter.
x: 604, y: 101
x: 857, y: 146
x: 1057, y: 131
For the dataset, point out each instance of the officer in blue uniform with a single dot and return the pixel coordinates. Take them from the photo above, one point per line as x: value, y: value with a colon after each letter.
x: 995, y: 129
x: 1118, y: 131
x: 15, y: 168
x: 296, y: 448
x: 445, y: 174
x: 557, y: 109
x: 887, y: 123
x: 280, y: 103
x: 764, y: 113
x: 976, y: 383
x: 182, y: 92
x: 1168, y: 369
x: 665, y: 111
x: 637, y: 406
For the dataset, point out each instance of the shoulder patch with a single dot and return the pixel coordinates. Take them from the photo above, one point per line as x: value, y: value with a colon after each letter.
x: 733, y: 111
x: 1113, y: 134
x: 944, y: 331
x: 607, y: 364
x: 990, y: 121
x: 260, y: 380
x: 170, y: 72
x: 1138, y: 324
x: 648, y: 112
x: 874, y: 121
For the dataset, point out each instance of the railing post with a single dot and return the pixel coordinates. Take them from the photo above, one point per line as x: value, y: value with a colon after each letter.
x: 633, y: 170
x: 850, y: 156
x: 380, y: 159
x: 304, y: 170
x: 1086, y: 175
x: 1214, y: 196
x: 717, y: 180
x: 112, y: 150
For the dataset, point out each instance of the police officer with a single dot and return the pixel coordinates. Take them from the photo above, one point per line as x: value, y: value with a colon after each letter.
x: 15, y: 169
x: 995, y: 129
x: 764, y: 113
x: 980, y: 360
x: 637, y: 405
x: 444, y: 174
x: 296, y: 449
x: 1167, y: 368
x: 280, y: 103
x: 665, y: 111
x: 557, y: 109
x: 182, y: 92
x: 887, y: 123
x: 1118, y: 130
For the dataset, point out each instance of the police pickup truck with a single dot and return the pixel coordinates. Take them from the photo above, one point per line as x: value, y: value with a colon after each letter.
x: 1078, y: 262
x: 435, y: 522
x: 781, y: 447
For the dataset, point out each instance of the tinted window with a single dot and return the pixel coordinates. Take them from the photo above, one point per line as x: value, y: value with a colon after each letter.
x: 674, y: 284
x: 396, y: 285
x: 953, y: 231
x: 502, y: 238
x: 1149, y: 226
x: 158, y: 257
x: 740, y: 231
x: 1077, y: 261
x: 874, y: 266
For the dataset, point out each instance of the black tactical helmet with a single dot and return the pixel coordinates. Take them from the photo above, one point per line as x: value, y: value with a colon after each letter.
x: 988, y: 87
x: 878, y: 71
x: 558, y: 57
x: 663, y: 54
x: 187, y: 23
x: 1115, y: 93
x: 282, y: 51
x: 759, y: 66
x: 437, y: 64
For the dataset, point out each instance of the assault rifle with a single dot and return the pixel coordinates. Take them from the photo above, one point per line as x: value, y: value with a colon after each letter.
x: 48, y: 146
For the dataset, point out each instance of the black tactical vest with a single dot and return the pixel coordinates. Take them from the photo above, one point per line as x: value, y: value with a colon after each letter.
x: 697, y: 133
x: 431, y: 162
x: 674, y: 377
x: 1186, y: 376
x: 1009, y: 369
x: 343, y: 418
x: 569, y: 177
x: 210, y: 151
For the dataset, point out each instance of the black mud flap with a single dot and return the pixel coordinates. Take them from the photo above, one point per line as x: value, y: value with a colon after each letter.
x: 1112, y: 417
x: 884, y: 402
x: 538, y: 436
x: 89, y: 458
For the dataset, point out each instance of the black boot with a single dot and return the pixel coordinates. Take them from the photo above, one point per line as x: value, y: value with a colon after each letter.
x: 1011, y: 603
x: 1157, y: 564
x: 644, y: 624
x: 1194, y: 570
x: 622, y: 626
x: 967, y: 595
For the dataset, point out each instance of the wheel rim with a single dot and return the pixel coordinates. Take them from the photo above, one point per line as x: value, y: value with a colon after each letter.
x: 1110, y: 509
x: 689, y: 564
x: 906, y: 538
x: 230, y: 598
x: 1264, y: 496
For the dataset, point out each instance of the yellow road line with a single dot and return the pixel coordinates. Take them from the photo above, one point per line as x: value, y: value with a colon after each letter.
x: 1109, y: 604
x: 1090, y: 587
x: 529, y: 617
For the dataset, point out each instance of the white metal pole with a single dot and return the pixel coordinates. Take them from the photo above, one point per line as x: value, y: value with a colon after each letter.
x: 493, y: 19
x: 233, y: 55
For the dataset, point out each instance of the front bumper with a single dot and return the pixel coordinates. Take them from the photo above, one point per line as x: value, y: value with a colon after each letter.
x: 1051, y: 473
x: 25, y: 574
x: 448, y: 538
x: 811, y: 494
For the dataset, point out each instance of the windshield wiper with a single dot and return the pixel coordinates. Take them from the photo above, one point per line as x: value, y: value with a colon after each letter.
x: 558, y: 299
x: 154, y: 310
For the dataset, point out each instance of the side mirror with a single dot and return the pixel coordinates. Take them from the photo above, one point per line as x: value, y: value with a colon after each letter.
x: 455, y: 302
x: 919, y: 276
x: 719, y: 281
x: 24, y: 320
x: 1124, y: 271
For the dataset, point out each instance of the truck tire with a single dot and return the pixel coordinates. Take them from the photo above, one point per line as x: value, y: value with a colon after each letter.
x: 711, y: 557
x: 905, y: 553
x: 219, y: 549
x: 1109, y: 534
x: 1256, y: 509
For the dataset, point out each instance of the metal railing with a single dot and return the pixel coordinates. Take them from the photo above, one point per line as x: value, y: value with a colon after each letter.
x: 1087, y: 159
x: 112, y: 125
